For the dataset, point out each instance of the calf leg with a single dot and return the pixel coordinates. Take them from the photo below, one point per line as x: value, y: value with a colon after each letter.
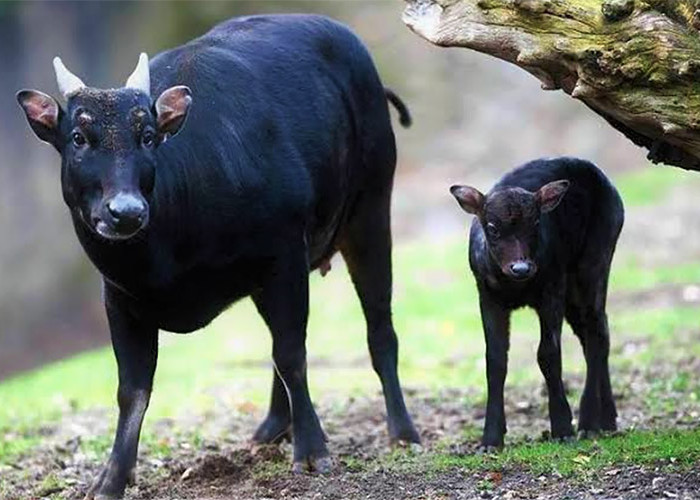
x: 549, y: 358
x: 496, y: 322
x: 283, y: 303
x: 136, y: 349
x: 589, y: 321
x: 597, y: 409
x: 366, y: 247
x: 277, y: 425
x: 586, y: 300
x: 608, y: 413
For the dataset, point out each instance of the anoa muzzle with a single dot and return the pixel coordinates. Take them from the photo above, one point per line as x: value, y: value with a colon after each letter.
x: 108, y: 140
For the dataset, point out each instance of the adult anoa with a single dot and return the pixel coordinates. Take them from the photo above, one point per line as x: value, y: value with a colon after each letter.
x: 544, y: 237
x: 229, y: 167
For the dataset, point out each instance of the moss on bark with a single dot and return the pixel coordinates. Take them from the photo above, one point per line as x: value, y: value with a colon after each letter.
x: 632, y: 61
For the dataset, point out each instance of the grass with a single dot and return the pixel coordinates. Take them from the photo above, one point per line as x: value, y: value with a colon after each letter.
x: 678, y: 448
x: 436, y: 315
x: 13, y: 446
x: 651, y: 185
x: 50, y: 485
x: 661, y: 448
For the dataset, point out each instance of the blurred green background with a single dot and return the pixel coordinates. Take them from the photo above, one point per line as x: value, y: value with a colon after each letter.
x: 475, y: 117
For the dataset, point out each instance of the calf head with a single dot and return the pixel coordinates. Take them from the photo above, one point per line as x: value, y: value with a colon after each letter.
x: 107, y: 140
x: 510, y: 219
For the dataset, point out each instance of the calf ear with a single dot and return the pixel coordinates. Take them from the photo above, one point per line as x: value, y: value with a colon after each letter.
x: 550, y: 195
x: 42, y: 113
x: 470, y: 199
x: 171, y: 109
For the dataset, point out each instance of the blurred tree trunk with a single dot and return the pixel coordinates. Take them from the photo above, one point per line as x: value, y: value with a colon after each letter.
x: 634, y: 62
x: 49, y: 293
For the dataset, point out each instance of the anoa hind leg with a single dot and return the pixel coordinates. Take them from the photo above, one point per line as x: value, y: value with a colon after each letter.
x: 366, y: 248
x: 277, y: 425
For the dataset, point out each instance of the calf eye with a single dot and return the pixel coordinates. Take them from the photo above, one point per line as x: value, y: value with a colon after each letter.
x: 79, y: 140
x: 492, y: 230
x: 148, y: 139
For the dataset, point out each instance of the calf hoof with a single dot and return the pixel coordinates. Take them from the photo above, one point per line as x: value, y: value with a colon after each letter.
x: 588, y: 434
x: 563, y: 433
x: 486, y: 449
x: 273, y: 430
x: 319, y: 465
x: 609, y: 425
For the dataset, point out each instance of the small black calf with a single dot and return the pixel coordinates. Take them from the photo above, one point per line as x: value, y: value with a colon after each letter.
x: 544, y: 237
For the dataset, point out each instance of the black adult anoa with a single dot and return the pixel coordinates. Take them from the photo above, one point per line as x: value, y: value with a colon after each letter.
x: 231, y: 167
x: 544, y: 237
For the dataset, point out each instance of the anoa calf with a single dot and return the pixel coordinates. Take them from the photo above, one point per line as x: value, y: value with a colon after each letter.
x: 544, y: 237
x: 230, y: 167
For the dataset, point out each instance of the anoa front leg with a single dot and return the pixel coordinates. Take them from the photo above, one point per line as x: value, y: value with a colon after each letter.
x: 496, y: 321
x: 135, y: 344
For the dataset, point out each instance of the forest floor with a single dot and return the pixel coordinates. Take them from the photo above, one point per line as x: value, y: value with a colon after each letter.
x: 56, y: 423
x: 655, y: 455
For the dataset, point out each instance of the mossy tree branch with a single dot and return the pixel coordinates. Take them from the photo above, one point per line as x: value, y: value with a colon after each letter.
x: 634, y: 62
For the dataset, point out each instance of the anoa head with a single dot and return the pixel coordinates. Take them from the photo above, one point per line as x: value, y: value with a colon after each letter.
x: 107, y: 139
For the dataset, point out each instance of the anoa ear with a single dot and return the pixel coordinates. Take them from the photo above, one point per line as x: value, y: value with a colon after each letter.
x: 550, y: 195
x: 42, y: 113
x: 171, y: 109
x: 469, y: 198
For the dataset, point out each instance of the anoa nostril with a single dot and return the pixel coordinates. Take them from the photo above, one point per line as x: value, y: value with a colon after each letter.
x: 113, y: 209
x: 520, y: 268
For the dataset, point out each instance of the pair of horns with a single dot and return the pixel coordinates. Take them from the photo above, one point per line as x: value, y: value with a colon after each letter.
x: 69, y: 84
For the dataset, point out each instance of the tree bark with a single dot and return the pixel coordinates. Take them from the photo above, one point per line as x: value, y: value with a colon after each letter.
x: 634, y: 62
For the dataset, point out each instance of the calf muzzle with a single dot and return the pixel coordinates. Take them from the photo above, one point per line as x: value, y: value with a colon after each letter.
x: 521, y: 270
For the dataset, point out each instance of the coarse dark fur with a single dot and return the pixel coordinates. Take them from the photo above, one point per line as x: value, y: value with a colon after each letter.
x: 544, y: 237
x: 285, y: 156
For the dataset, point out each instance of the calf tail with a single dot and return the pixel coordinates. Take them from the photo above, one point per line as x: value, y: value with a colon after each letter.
x: 404, y: 114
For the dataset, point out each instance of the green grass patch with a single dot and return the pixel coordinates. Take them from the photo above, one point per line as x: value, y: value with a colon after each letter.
x: 267, y: 471
x: 50, y: 486
x: 627, y: 274
x: 662, y: 323
x: 353, y: 464
x: 680, y: 449
x: 651, y: 184
x: 12, y: 447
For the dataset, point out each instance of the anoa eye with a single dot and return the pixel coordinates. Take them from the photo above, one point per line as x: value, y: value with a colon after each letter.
x: 79, y: 140
x: 148, y: 139
x: 492, y: 230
